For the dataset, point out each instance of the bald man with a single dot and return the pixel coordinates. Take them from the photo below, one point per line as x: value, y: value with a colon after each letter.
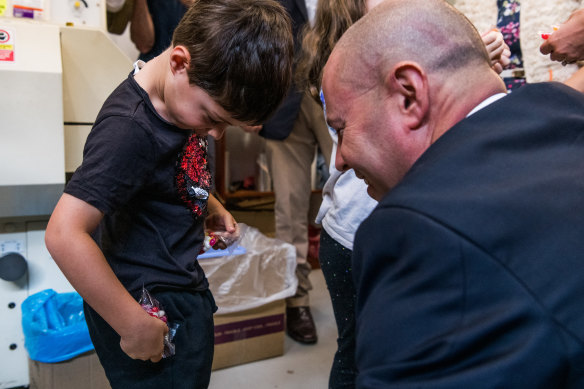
x: 470, y: 272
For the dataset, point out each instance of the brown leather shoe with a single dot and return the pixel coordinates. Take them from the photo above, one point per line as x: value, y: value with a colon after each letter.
x: 300, y: 325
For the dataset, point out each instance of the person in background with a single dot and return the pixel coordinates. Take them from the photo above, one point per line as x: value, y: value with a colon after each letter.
x: 566, y: 45
x: 522, y: 23
x: 292, y: 136
x: 345, y: 200
x: 152, y: 25
x: 133, y: 215
x: 467, y: 271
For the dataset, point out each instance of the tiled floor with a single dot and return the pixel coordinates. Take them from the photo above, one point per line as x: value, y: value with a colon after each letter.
x: 301, y: 366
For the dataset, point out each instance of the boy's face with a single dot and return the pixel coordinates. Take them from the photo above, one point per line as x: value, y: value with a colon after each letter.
x: 191, y: 108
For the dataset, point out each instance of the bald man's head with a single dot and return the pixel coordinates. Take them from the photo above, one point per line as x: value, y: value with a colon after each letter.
x: 397, y: 81
x: 429, y: 32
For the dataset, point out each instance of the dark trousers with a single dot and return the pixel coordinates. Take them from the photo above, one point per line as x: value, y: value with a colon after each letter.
x: 189, y: 368
x: 335, y: 262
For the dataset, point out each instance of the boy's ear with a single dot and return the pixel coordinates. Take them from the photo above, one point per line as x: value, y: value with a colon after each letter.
x: 408, y: 80
x: 180, y: 59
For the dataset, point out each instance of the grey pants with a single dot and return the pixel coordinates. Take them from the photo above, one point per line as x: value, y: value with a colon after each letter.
x: 289, y: 162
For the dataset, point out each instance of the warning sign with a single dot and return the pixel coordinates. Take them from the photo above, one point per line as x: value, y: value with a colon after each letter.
x: 6, y: 45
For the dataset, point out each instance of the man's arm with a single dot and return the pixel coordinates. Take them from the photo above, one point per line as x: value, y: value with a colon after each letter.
x: 68, y: 239
x: 576, y: 81
x: 142, y: 27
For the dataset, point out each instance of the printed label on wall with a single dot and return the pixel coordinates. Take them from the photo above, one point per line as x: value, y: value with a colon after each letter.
x: 31, y: 9
x: 6, y: 45
x: 3, y: 7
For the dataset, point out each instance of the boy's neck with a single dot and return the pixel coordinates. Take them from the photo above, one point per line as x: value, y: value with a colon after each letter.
x: 152, y: 79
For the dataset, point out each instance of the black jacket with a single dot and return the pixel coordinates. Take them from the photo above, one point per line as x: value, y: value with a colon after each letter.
x: 280, y: 124
x: 470, y: 273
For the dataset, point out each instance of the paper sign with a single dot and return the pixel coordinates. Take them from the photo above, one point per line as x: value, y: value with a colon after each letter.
x: 3, y: 7
x: 6, y: 45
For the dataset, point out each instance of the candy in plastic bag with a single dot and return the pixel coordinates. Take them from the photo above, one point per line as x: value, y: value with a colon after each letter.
x: 154, y: 309
x: 220, y: 240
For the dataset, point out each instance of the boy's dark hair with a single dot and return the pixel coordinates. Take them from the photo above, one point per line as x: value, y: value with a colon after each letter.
x: 241, y: 54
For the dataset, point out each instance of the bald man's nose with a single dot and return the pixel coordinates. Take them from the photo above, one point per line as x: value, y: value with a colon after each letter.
x: 340, y: 163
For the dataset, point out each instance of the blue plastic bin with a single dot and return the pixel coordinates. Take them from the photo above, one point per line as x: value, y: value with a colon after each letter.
x: 54, y: 326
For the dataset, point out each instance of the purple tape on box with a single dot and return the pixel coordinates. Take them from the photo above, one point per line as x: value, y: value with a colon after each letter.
x: 251, y: 328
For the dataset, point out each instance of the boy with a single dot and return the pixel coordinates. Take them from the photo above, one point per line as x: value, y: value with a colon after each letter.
x: 133, y: 214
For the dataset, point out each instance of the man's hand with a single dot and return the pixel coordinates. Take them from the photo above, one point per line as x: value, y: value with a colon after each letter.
x: 145, y: 339
x: 566, y: 44
x: 498, y: 50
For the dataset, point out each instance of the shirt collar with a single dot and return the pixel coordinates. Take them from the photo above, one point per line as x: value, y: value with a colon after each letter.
x: 486, y: 102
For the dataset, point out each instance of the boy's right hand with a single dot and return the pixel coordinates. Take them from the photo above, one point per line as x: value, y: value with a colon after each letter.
x: 145, y: 338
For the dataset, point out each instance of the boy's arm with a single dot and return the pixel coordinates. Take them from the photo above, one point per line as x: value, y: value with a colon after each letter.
x: 219, y: 219
x: 69, y: 241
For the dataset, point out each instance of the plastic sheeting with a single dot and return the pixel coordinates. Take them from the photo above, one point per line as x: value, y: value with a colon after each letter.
x: 265, y: 273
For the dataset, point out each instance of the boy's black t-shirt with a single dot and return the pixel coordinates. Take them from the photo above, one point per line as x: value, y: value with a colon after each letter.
x: 150, y: 180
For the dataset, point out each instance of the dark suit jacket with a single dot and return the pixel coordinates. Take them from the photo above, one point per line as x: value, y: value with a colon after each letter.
x: 470, y: 273
x: 280, y: 124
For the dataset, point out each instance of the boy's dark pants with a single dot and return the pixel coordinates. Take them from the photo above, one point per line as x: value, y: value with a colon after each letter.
x: 189, y: 368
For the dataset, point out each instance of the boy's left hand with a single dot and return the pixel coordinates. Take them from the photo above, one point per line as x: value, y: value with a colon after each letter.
x: 222, y: 221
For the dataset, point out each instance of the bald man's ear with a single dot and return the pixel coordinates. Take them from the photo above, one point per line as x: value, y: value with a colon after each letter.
x: 410, y: 83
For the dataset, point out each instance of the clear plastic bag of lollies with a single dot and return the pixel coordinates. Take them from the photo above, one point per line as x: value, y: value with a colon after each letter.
x: 154, y: 309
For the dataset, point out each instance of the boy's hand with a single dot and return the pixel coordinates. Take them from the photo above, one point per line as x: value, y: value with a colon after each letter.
x: 145, y: 340
x: 222, y: 222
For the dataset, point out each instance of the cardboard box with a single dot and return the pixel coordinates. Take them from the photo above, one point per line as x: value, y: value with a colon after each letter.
x: 240, y: 337
x: 249, y: 335
x: 83, y: 371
